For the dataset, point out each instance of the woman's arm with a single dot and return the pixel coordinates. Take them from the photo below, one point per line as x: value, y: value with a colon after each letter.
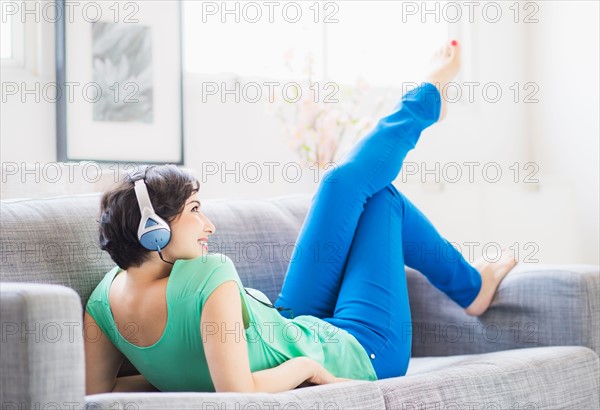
x: 286, y: 376
x: 297, y: 372
x: 136, y: 383
x: 102, y: 359
x: 227, y: 353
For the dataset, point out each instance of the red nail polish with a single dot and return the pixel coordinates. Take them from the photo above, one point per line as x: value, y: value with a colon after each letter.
x: 454, y: 42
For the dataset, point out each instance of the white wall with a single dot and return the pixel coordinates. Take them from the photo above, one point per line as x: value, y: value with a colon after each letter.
x: 564, y: 61
x: 27, y: 129
x: 555, y: 221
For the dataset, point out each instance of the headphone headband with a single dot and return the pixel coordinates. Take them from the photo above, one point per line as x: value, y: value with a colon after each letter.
x: 153, y: 232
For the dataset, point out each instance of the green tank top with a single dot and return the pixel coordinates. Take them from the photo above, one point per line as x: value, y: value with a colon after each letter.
x: 176, y: 362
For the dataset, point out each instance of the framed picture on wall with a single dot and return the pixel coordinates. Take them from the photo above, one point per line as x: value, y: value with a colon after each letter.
x: 119, y: 79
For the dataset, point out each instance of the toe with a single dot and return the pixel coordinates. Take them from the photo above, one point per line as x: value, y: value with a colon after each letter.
x: 456, y: 50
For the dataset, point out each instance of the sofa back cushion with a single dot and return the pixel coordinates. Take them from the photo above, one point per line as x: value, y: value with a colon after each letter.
x: 55, y: 240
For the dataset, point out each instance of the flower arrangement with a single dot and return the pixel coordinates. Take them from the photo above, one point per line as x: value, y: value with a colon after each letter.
x: 319, y: 116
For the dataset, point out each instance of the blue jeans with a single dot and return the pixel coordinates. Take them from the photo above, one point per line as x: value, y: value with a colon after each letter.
x: 348, y: 266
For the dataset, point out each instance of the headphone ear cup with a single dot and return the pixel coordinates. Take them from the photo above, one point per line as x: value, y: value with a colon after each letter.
x: 154, y: 233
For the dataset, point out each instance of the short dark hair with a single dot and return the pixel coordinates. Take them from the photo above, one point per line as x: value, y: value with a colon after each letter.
x: 168, y: 187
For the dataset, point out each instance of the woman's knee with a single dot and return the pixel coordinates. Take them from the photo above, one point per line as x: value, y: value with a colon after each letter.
x: 396, y: 193
x: 342, y: 178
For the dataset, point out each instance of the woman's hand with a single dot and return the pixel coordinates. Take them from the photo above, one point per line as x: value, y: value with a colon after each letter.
x: 322, y: 376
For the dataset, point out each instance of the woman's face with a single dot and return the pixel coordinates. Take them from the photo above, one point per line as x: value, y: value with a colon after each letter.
x: 187, y: 229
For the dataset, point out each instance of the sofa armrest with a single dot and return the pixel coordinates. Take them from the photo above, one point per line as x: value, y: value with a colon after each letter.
x: 535, y: 305
x: 42, y: 353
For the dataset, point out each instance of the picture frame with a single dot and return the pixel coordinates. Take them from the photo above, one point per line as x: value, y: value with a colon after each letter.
x: 119, y: 72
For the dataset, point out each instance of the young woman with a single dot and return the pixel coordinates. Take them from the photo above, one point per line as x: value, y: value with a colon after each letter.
x: 184, y: 319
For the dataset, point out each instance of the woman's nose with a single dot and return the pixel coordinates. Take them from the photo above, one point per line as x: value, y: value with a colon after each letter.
x: 211, y: 226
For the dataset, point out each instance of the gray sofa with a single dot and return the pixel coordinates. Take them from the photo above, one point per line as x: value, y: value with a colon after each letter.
x: 537, y: 346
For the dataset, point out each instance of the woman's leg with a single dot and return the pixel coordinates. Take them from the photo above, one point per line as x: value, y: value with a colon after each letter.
x: 373, y: 302
x: 314, y: 276
x: 425, y: 250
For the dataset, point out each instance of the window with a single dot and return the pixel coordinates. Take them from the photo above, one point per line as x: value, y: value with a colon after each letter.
x: 6, y: 52
x: 344, y: 39
x: 372, y: 39
x: 216, y: 43
x: 12, y: 31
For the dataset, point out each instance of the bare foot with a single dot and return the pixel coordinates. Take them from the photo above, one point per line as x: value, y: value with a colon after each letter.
x: 443, y: 67
x: 492, y: 274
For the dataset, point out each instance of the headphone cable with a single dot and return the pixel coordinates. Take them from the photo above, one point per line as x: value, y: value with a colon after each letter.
x: 161, y: 257
x: 280, y: 308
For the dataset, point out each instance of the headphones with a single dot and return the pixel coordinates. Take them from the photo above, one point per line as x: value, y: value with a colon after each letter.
x: 154, y: 233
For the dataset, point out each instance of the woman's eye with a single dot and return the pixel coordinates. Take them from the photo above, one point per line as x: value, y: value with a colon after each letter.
x: 196, y: 207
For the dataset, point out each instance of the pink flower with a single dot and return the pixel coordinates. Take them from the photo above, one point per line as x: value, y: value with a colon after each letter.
x: 316, y: 128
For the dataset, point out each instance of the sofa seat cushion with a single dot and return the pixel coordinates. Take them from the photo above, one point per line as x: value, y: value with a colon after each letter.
x: 356, y: 394
x: 531, y: 378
